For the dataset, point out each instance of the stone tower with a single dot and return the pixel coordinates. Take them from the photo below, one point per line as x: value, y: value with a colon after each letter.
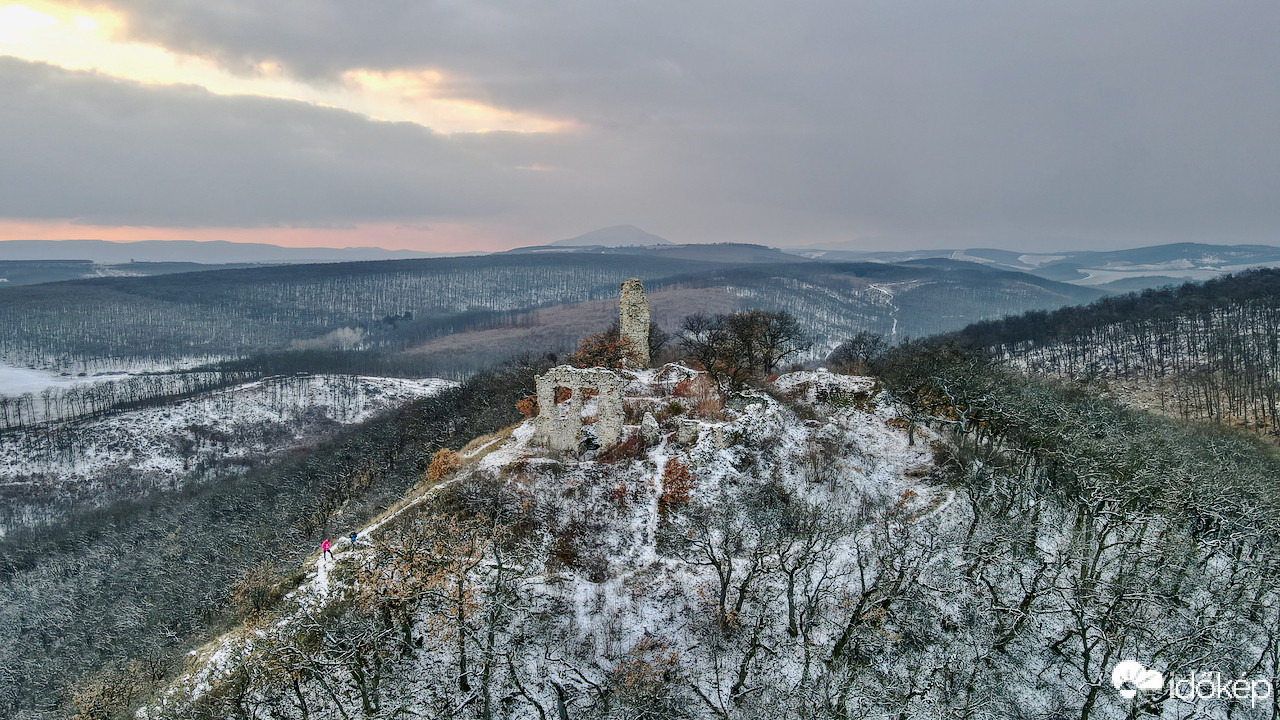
x: 633, y: 320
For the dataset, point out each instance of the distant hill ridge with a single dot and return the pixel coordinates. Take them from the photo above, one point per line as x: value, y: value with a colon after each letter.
x: 1109, y: 270
x: 190, y: 251
x: 1112, y: 271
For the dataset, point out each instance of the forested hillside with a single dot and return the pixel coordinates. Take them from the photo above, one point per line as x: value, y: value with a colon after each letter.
x: 98, y: 609
x: 82, y: 324
x: 393, y: 306
x: 914, y: 299
x: 51, y: 472
x: 1202, y: 350
x: 971, y: 543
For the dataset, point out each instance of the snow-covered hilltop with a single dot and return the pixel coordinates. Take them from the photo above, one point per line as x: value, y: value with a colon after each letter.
x: 784, y: 553
x: 683, y: 576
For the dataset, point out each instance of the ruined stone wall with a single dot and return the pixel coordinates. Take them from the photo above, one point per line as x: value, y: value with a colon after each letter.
x: 633, y: 320
x: 561, y: 430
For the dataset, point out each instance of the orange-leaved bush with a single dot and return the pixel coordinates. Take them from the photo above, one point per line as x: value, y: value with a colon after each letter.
x: 443, y: 462
x: 607, y: 349
x: 677, y: 485
x: 528, y: 406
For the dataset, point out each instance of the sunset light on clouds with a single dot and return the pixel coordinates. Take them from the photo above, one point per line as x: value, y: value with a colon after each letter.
x: 90, y: 39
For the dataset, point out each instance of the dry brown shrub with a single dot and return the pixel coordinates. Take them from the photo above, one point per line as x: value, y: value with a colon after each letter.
x: 646, y: 677
x: 677, y: 486
x: 709, y: 408
x: 257, y: 589
x: 112, y: 693
x: 695, y: 386
x: 606, y: 349
x: 629, y: 449
x: 618, y: 495
x: 528, y: 406
x: 704, y: 399
x: 684, y: 388
x: 443, y: 462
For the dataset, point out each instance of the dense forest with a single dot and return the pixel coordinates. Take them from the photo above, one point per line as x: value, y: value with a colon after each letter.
x: 391, y: 306
x: 1097, y: 533
x: 112, y: 598
x: 84, y: 324
x: 1200, y: 350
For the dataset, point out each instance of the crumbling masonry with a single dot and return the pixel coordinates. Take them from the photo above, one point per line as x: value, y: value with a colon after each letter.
x: 633, y: 321
x: 560, y: 430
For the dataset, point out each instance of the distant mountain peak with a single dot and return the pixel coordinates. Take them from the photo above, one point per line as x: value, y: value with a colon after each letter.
x: 615, y: 236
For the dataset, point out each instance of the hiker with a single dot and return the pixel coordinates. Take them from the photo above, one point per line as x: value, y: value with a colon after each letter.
x: 324, y: 549
x: 353, y: 539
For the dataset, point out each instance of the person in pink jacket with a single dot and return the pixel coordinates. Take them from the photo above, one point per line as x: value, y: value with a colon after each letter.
x: 324, y: 549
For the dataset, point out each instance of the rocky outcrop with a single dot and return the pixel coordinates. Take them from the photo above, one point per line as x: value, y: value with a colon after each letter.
x: 649, y: 429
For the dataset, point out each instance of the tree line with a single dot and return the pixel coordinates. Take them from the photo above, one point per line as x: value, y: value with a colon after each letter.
x: 1208, y: 350
x: 92, y: 400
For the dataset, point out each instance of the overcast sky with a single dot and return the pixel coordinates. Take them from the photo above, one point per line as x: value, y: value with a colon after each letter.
x: 473, y: 124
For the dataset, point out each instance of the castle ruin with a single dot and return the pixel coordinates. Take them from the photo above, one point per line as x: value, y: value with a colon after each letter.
x: 633, y: 321
x: 560, y: 430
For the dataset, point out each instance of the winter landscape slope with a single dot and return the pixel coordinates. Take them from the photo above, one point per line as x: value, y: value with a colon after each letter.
x: 628, y: 567
x: 1201, y: 350
x: 798, y: 557
x: 46, y: 471
x: 96, y: 609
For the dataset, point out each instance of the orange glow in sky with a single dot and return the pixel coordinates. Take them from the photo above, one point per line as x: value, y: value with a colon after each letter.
x: 93, y: 39
x: 437, y: 237
x: 81, y: 37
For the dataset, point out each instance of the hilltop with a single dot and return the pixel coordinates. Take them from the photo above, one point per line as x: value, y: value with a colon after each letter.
x: 630, y: 568
x: 615, y: 236
x: 818, y: 546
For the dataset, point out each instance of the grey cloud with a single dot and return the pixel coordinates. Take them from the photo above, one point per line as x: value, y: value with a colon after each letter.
x: 997, y: 120
x: 103, y: 151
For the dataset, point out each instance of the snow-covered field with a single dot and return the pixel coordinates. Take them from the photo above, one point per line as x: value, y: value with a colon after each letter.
x: 20, y: 380
x: 218, y: 432
x: 20, y: 377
